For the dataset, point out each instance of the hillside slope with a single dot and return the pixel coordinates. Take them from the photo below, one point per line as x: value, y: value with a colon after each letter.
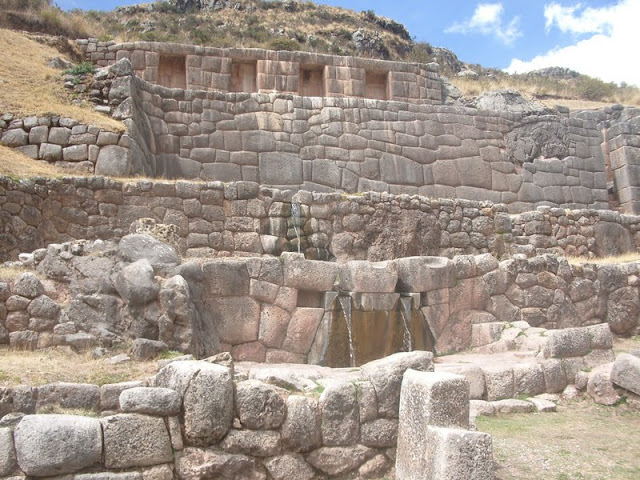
x: 302, y: 25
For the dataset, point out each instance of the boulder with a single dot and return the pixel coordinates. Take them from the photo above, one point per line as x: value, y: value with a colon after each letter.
x: 567, y: 342
x: 151, y: 401
x: 49, y: 445
x: 600, y: 386
x: 623, y: 307
x: 132, y: 440
x: 110, y: 394
x: 136, y: 283
x: 626, y: 372
x: 386, y: 376
x: 144, y: 349
x: 379, y: 433
x: 28, y: 285
x: 507, y: 101
x: 137, y: 246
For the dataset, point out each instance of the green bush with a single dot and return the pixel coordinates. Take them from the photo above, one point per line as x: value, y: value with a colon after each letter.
x: 284, y: 44
x: 82, y: 68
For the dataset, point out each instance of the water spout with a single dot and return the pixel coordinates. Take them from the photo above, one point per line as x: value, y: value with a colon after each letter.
x: 345, y: 304
x: 406, y: 311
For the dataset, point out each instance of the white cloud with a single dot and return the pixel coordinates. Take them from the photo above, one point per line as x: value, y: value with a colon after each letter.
x: 606, y: 53
x: 487, y: 19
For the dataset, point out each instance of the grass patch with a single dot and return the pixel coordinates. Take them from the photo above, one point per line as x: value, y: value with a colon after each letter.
x: 582, y: 440
x: 30, y: 87
x: 61, y: 365
x: 16, y: 166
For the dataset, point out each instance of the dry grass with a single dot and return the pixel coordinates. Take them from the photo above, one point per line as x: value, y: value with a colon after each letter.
x: 29, y: 87
x: 16, y: 165
x: 549, y: 91
x: 613, y: 260
x: 582, y: 440
x: 62, y: 365
x: 10, y: 273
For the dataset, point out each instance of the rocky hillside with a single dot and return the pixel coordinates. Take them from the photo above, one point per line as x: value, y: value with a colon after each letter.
x: 299, y: 25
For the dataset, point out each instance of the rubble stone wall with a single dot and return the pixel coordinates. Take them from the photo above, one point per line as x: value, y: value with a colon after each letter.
x: 239, y: 218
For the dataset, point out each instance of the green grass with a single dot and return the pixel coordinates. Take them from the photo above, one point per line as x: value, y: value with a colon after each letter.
x: 582, y: 440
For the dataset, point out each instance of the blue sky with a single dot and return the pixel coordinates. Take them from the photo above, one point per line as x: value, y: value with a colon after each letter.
x: 595, y: 37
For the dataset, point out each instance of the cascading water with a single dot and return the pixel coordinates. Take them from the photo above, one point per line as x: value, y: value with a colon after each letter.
x: 406, y: 311
x: 345, y: 304
x: 295, y: 214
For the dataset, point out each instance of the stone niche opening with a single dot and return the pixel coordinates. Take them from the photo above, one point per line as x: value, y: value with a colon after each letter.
x: 244, y: 77
x: 377, y: 85
x: 172, y: 71
x: 311, y: 81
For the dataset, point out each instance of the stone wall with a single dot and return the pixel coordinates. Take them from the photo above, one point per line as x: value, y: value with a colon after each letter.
x: 222, y: 69
x: 199, y: 419
x: 243, y: 218
x: 357, y: 145
x: 290, y: 309
x: 624, y: 145
x: 64, y: 142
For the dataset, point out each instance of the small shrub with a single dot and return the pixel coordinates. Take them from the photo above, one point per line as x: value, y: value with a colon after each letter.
x: 288, y: 44
x: 81, y: 68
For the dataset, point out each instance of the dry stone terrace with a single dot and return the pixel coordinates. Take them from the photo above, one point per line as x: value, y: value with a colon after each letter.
x: 313, y: 232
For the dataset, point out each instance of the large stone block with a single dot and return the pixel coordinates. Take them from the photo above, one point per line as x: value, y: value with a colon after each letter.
x: 455, y: 454
x: 301, y: 427
x: 308, y: 274
x: 568, y: 342
x: 132, y: 440
x: 69, y: 395
x: 114, y: 160
x: 49, y: 445
x: 151, y: 401
x: 7, y: 452
x: 423, y: 274
x: 339, y: 460
x: 302, y: 329
x: 280, y: 169
x: 196, y: 463
x: 238, y: 319
x: 371, y: 277
x: 258, y: 443
x: 259, y: 405
x: 340, y: 417
x: 207, y: 392
x: 386, y: 376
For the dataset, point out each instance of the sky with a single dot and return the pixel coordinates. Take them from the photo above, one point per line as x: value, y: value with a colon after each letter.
x: 594, y: 37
